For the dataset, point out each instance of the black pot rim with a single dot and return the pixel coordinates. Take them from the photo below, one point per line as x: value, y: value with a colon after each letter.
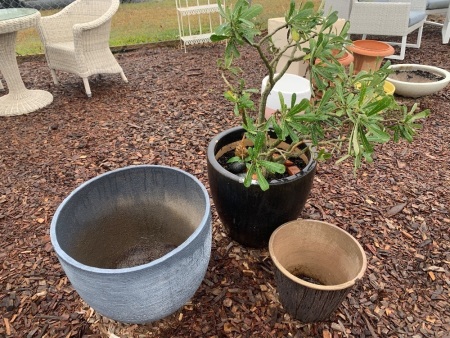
x: 73, y: 262
x: 212, y: 159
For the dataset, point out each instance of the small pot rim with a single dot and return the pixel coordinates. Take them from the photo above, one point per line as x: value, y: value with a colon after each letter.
x: 70, y: 260
x: 414, y: 66
x: 212, y: 159
x: 346, y: 59
x: 297, y: 280
x: 371, y: 48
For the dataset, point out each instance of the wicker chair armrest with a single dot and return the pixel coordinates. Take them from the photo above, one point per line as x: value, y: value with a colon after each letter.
x: 90, y: 38
x: 99, y: 21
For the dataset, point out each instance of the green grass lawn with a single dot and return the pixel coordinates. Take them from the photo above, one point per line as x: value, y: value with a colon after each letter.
x: 146, y: 22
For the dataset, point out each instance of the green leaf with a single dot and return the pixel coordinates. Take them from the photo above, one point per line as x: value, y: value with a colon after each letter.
x: 234, y: 159
x: 250, y: 128
x: 343, y: 158
x: 230, y: 96
x: 248, y: 178
x: 276, y: 127
x: 221, y: 11
x: 252, y: 12
x: 297, y: 108
x: 281, y: 99
x: 262, y: 180
x: 291, y: 9
x: 421, y: 115
x: 259, y: 141
x: 381, y: 135
x: 273, y: 167
x: 355, y: 140
x: 218, y: 37
x: 366, y: 145
x: 379, y: 105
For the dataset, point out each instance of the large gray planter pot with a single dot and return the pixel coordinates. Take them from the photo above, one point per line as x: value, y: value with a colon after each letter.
x: 316, y: 266
x: 107, y: 232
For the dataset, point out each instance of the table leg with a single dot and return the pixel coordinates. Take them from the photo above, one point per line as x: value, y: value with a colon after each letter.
x: 19, y: 100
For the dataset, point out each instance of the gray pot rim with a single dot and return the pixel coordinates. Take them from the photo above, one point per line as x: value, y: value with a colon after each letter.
x: 300, y: 281
x: 64, y: 256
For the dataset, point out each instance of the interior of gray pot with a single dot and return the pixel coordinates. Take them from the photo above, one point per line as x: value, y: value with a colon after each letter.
x: 129, y: 217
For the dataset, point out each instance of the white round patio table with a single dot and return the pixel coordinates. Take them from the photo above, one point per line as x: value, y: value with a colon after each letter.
x: 19, y: 100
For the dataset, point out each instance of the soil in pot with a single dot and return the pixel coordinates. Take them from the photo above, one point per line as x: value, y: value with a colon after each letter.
x: 239, y: 168
x: 416, y: 76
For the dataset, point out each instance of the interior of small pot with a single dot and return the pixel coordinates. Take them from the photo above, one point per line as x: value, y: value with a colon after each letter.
x: 317, y: 252
x: 129, y: 217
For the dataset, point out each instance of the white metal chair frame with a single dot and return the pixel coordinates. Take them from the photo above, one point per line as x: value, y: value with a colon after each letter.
x: 76, y: 40
x: 436, y: 11
x: 390, y: 18
x: 446, y: 28
x: 196, y: 9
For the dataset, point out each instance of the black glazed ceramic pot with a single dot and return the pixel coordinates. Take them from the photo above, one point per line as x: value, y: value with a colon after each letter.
x: 249, y: 214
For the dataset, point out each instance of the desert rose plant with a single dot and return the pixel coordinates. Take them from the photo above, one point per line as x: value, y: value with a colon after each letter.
x: 348, y: 113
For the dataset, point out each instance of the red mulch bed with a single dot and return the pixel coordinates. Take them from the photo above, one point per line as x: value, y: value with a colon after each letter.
x: 398, y: 207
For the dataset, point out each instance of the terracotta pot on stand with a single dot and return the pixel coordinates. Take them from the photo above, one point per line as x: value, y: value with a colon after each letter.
x: 369, y: 54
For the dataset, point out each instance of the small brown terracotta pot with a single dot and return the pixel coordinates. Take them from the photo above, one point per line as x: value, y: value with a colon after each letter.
x: 316, y: 266
x: 344, y: 60
x: 369, y: 54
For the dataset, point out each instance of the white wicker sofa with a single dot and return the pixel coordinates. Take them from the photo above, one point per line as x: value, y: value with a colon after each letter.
x: 76, y: 40
x: 389, y: 18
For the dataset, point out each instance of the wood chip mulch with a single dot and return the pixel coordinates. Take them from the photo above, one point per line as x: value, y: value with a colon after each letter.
x: 398, y: 208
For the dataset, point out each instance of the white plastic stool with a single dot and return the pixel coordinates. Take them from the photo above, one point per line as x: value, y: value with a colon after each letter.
x: 287, y: 86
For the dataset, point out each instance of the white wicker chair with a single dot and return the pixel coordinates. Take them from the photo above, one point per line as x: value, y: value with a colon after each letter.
x: 389, y: 18
x: 76, y: 39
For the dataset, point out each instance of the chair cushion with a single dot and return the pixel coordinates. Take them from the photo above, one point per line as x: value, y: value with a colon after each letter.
x: 415, y: 17
x: 438, y: 4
